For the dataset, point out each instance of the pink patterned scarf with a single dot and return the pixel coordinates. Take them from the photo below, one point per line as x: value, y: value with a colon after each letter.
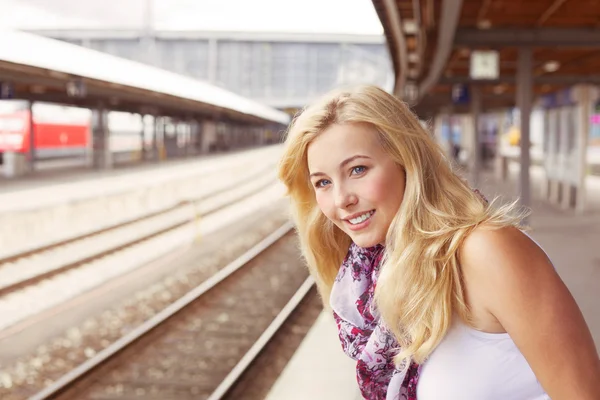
x: 364, y: 337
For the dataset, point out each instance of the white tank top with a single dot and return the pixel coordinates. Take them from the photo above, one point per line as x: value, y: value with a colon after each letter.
x: 474, y: 365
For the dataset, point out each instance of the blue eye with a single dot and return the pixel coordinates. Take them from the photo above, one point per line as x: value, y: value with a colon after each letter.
x: 359, y: 169
x: 321, y: 183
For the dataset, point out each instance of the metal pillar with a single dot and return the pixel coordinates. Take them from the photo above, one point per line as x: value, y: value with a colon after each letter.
x: 160, y: 138
x: 501, y: 167
x: 552, y: 156
x: 476, y: 150
x: 567, y: 135
x: 142, y: 138
x: 155, y: 137
x: 101, y: 154
x: 585, y: 105
x: 31, y: 138
x: 209, y: 136
x: 448, y: 119
x: 524, y: 100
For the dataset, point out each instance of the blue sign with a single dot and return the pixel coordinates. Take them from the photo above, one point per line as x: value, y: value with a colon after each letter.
x: 558, y: 99
x: 460, y: 94
x: 7, y: 90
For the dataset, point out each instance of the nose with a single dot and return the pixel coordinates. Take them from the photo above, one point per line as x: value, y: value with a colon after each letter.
x: 344, y: 197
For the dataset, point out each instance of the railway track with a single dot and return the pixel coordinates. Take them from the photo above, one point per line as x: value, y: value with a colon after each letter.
x: 200, y: 346
x: 23, y: 270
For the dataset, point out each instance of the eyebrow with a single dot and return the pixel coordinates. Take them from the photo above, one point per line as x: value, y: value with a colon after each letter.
x: 342, y: 164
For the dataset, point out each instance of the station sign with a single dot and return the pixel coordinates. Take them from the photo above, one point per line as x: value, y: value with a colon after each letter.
x: 561, y: 98
x: 484, y: 65
x: 460, y: 94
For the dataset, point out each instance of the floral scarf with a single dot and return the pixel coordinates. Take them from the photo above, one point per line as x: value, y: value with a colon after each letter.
x: 364, y: 337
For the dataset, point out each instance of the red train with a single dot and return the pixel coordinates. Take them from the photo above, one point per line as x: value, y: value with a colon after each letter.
x: 62, y: 131
x: 59, y: 131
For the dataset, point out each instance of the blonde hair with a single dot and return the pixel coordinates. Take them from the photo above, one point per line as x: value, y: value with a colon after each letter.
x: 420, y: 286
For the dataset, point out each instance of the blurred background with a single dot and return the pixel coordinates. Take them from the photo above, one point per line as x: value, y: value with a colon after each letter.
x: 145, y: 244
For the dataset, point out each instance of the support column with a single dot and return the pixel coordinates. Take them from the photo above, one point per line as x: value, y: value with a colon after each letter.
x: 545, y: 190
x: 524, y: 99
x: 101, y: 154
x: 584, y: 115
x: 142, y: 138
x: 158, y: 139
x: 196, y: 136
x: 171, y: 138
x: 552, y: 165
x: 568, y: 134
x: 154, y: 142
x: 501, y: 159
x: 31, y: 138
x: 209, y: 136
x: 475, y: 159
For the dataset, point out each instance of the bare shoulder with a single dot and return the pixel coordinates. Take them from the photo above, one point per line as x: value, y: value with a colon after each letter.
x: 518, y: 285
x: 502, y: 252
x: 495, y: 263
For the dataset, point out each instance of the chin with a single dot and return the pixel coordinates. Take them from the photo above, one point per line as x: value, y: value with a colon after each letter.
x: 366, y: 241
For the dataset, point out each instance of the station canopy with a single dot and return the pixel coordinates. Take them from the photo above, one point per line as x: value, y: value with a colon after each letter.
x: 436, y: 45
x: 42, y: 69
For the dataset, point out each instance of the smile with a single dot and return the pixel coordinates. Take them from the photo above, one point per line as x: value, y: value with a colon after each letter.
x: 362, y: 217
x: 360, y: 221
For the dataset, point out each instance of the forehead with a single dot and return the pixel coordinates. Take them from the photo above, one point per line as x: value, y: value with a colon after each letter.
x: 341, y: 141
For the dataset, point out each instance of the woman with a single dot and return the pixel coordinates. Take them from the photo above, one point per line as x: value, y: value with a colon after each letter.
x: 436, y: 294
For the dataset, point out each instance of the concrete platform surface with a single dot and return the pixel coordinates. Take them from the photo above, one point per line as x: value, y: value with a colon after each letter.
x: 319, y: 370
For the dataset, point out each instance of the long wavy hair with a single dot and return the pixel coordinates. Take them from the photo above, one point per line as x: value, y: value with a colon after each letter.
x: 420, y: 287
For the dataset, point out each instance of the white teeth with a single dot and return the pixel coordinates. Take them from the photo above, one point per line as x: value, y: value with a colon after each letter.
x: 361, y: 218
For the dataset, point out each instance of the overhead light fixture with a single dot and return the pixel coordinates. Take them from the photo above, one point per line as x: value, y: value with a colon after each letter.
x: 37, y: 89
x: 484, y: 24
x: 413, y: 57
x: 551, y: 66
x: 499, y: 89
x: 410, y: 26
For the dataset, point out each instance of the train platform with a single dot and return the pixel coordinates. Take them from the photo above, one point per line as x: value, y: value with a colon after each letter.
x: 50, y: 173
x: 319, y: 370
x: 38, y: 215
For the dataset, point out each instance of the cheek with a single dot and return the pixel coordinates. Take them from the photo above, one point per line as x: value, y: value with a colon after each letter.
x: 376, y: 190
x: 325, y: 203
x: 384, y: 191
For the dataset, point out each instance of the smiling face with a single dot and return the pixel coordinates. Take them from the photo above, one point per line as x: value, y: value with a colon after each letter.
x: 358, y: 186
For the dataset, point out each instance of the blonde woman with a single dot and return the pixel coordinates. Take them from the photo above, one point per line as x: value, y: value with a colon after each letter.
x: 437, y: 294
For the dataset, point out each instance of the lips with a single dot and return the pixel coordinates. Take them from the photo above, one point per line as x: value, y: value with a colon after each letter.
x: 359, y: 220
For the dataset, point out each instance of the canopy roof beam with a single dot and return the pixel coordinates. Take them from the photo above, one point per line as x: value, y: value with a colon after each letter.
x: 538, y: 37
x: 542, y: 79
x: 449, y: 17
